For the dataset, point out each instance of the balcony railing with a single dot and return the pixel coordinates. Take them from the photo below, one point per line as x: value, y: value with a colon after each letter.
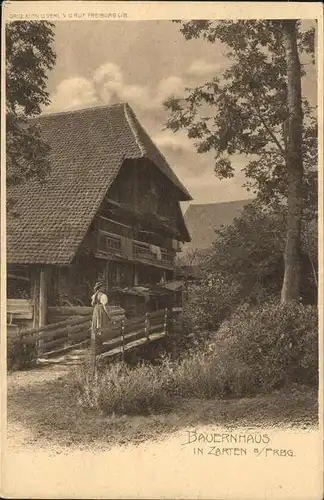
x: 109, y: 243
x: 113, y: 244
x: 152, y: 254
x: 167, y: 257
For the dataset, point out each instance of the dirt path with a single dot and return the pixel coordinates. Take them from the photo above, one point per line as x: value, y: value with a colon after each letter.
x: 61, y: 451
x: 43, y: 414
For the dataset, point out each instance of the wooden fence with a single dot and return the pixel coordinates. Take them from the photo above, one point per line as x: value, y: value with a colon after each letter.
x: 123, y: 334
x: 130, y: 333
x: 57, y: 338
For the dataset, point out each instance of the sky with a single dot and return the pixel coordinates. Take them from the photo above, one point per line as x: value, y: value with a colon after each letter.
x: 142, y: 63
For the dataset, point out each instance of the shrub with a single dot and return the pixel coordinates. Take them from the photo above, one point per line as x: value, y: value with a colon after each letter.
x: 20, y: 356
x: 259, y: 350
x: 279, y: 343
x: 120, y: 389
x: 204, y: 375
x: 209, y: 302
x: 245, y: 265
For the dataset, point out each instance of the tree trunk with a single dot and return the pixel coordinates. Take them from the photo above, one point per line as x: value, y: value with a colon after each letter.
x: 291, y: 283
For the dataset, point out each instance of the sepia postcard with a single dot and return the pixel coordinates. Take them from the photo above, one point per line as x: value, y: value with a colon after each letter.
x: 162, y: 250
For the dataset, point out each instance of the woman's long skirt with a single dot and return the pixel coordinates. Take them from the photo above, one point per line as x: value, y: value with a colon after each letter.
x: 100, y: 321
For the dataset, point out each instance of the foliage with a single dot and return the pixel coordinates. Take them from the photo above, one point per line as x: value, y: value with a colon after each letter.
x: 120, y: 389
x: 261, y: 350
x: 249, y: 252
x: 192, y: 257
x: 205, y: 376
x: 279, y: 343
x: 244, y: 110
x: 255, y: 109
x: 210, y: 301
x: 20, y: 356
x: 245, y: 266
x: 29, y: 55
x: 310, y: 244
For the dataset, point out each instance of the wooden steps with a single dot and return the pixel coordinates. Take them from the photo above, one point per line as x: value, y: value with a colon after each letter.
x: 76, y: 357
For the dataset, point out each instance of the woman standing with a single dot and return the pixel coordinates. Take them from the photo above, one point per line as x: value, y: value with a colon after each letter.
x: 101, y: 318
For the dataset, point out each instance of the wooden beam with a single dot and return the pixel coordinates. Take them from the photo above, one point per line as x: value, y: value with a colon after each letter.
x: 35, y: 297
x: 74, y: 320
x: 106, y: 273
x: 118, y: 340
x: 16, y: 277
x: 132, y: 345
x: 135, y: 188
x: 42, y: 303
x: 82, y: 310
x: 43, y: 277
x: 70, y: 310
x: 135, y: 275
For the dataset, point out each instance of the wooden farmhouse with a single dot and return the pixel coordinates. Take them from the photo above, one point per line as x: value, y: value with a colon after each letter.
x: 203, y: 220
x: 109, y: 208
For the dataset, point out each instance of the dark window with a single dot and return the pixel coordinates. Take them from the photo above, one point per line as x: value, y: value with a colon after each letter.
x: 18, y: 283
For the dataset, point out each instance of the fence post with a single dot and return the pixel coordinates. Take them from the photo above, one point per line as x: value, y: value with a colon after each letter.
x: 165, y: 321
x: 147, y: 326
x: 93, y: 352
x: 123, y: 339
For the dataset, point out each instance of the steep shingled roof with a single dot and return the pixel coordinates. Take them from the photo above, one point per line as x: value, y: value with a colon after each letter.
x: 88, y: 148
x: 203, y: 220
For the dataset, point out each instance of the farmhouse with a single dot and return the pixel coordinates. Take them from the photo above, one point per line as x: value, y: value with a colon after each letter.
x: 110, y: 207
x: 202, y: 220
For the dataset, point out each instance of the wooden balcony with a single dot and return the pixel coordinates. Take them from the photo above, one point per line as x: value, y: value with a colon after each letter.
x: 151, y: 254
x: 109, y: 244
x: 112, y: 245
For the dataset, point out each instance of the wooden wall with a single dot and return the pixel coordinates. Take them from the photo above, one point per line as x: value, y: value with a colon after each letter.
x: 139, y: 186
x: 23, y: 286
x: 142, y: 187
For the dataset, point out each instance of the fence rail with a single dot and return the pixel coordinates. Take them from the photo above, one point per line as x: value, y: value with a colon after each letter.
x: 73, y: 332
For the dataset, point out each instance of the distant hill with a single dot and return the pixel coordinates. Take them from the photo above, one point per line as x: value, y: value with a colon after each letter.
x: 203, y: 220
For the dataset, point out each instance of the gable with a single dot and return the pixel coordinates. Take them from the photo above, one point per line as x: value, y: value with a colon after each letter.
x: 87, y: 149
x: 140, y: 186
x: 53, y: 218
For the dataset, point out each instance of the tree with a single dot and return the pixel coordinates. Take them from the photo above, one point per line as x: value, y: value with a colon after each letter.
x: 29, y: 56
x: 244, y: 267
x: 248, y: 111
x: 249, y: 252
x: 294, y: 163
x: 191, y: 257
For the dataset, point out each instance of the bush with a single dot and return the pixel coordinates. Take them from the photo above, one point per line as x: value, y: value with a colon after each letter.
x: 204, y: 375
x: 120, y: 389
x: 279, y: 343
x: 20, y: 356
x: 258, y: 350
x: 255, y: 351
x: 245, y: 265
x: 210, y: 302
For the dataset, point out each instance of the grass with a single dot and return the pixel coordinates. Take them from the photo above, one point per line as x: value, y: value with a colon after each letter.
x: 231, y: 381
x: 122, y: 390
x: 41, y: 413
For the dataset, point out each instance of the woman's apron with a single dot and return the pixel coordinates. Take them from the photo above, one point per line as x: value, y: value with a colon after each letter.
x: 100, y: 319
